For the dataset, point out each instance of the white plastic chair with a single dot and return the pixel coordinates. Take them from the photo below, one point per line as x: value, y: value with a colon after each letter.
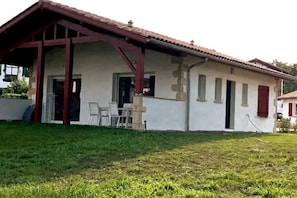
x: 114, y: 113
x: 96, y: 112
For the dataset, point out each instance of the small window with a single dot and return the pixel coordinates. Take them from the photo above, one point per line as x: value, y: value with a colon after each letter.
x: 218, y: 90
x: 263, y: 101
x: 244, y: 100
x: 201, y: 87
x: 292, y: 109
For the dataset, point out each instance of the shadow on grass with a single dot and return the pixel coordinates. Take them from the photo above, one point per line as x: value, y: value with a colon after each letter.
x: 41, y: 152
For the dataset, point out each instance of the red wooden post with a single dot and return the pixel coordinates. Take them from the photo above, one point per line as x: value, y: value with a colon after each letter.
x: 139, y: 78
x: 39, y: 83
x: 68, y: 80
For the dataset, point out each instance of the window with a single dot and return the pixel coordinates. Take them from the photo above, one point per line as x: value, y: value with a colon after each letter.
x: 124, y: 87
x: 244, y: 99
x: 292, y: 112
x: 263, y: 101
x: 201, y: 87
x: 218, y: 90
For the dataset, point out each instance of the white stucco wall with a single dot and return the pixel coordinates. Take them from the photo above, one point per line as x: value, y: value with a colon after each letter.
x: 286, y: 109
x: 208, y: 115
x: 96, y: 63
x: 164, y: 114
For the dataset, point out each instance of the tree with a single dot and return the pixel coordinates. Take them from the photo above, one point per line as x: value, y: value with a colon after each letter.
x: 16, y: 89
x: 288, y: 86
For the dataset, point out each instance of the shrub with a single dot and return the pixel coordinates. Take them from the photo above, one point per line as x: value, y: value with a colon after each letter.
x: 284, y: 125
x: 294, y: 127
x: 16, y: 89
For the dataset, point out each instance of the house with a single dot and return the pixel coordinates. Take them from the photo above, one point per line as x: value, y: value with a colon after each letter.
x: 272, y: 66
x: 9, y: 73
x: 76, y: 57
x: 289, y: 105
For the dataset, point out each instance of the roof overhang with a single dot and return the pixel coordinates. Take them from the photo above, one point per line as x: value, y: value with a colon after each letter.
x: 251, y: 67
x: 43, y: 13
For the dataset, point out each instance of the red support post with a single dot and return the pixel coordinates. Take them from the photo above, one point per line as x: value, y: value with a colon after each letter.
x: 68, y: 80
x: 39, y: 83
x: 139, y: 78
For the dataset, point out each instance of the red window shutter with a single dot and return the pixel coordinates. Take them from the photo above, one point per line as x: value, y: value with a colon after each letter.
x: 263, y: 101
x: 290, y: 109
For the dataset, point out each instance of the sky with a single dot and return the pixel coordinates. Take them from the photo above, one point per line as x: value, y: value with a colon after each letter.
x: 245, y: 29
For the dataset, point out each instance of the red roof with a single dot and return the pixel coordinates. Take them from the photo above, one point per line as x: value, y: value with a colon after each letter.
x: 141, y: 35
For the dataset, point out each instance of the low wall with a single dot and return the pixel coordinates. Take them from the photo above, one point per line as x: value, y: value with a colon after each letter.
x: 13, y: 109
x: 164, y: 114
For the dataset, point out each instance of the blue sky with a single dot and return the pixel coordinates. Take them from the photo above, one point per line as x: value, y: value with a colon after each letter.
x: 244, y: 29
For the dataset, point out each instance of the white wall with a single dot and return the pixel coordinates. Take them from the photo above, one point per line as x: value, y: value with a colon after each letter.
x: 164, y: 114
x: 286, y: 109
x: 96, y: 63
x: 208, y: 115
x: 13, y: 109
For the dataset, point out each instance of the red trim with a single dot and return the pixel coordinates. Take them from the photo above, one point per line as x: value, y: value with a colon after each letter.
x: 139, y: 71
x: 109, y: 39
x: 95, y: 23
x: 16, y: 44
x: 56, y: 42
x: 29, y: 44
x: 39, y: 83
x: 290, y: 109
x: 126, y: 59
x: 67, y: 83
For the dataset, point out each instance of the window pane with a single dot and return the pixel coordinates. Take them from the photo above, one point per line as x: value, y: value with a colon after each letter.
x: 201, y: 87
x: 244, y: 94
x: 218, y: 89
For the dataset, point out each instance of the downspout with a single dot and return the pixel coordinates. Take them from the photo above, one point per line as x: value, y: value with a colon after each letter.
x: 189, y: 91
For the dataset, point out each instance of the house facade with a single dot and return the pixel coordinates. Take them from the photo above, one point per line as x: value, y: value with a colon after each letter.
x: 76, y: 57
x: 289, y: 105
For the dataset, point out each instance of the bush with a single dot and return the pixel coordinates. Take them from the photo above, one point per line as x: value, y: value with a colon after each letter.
x: 285, y: 125
x: 13, y: 95
x: 294, y: 127
x: 16, y: 89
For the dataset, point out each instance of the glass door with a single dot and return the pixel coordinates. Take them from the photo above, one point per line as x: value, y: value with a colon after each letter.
x: 58, y: 90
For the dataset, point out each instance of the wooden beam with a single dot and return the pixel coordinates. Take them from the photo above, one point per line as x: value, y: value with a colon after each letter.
x: 139, y: 78
x: 19, y: 42
x: 96, y: 23
x: 20, y: 17
x: 126, y: 59
x: 39, y: 83
x: 104, y: 37
x: 67, y: 82
x: 29, y: 44
x: 55, y: 31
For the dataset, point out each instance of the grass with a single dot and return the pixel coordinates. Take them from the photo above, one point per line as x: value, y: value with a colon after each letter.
x: 42, y: 160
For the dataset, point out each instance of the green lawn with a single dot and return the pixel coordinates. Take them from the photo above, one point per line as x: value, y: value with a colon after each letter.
x: 40, y: 160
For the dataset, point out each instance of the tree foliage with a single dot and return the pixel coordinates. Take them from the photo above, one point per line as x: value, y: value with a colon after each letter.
x: 16, y: 89
x: 288, y: 86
